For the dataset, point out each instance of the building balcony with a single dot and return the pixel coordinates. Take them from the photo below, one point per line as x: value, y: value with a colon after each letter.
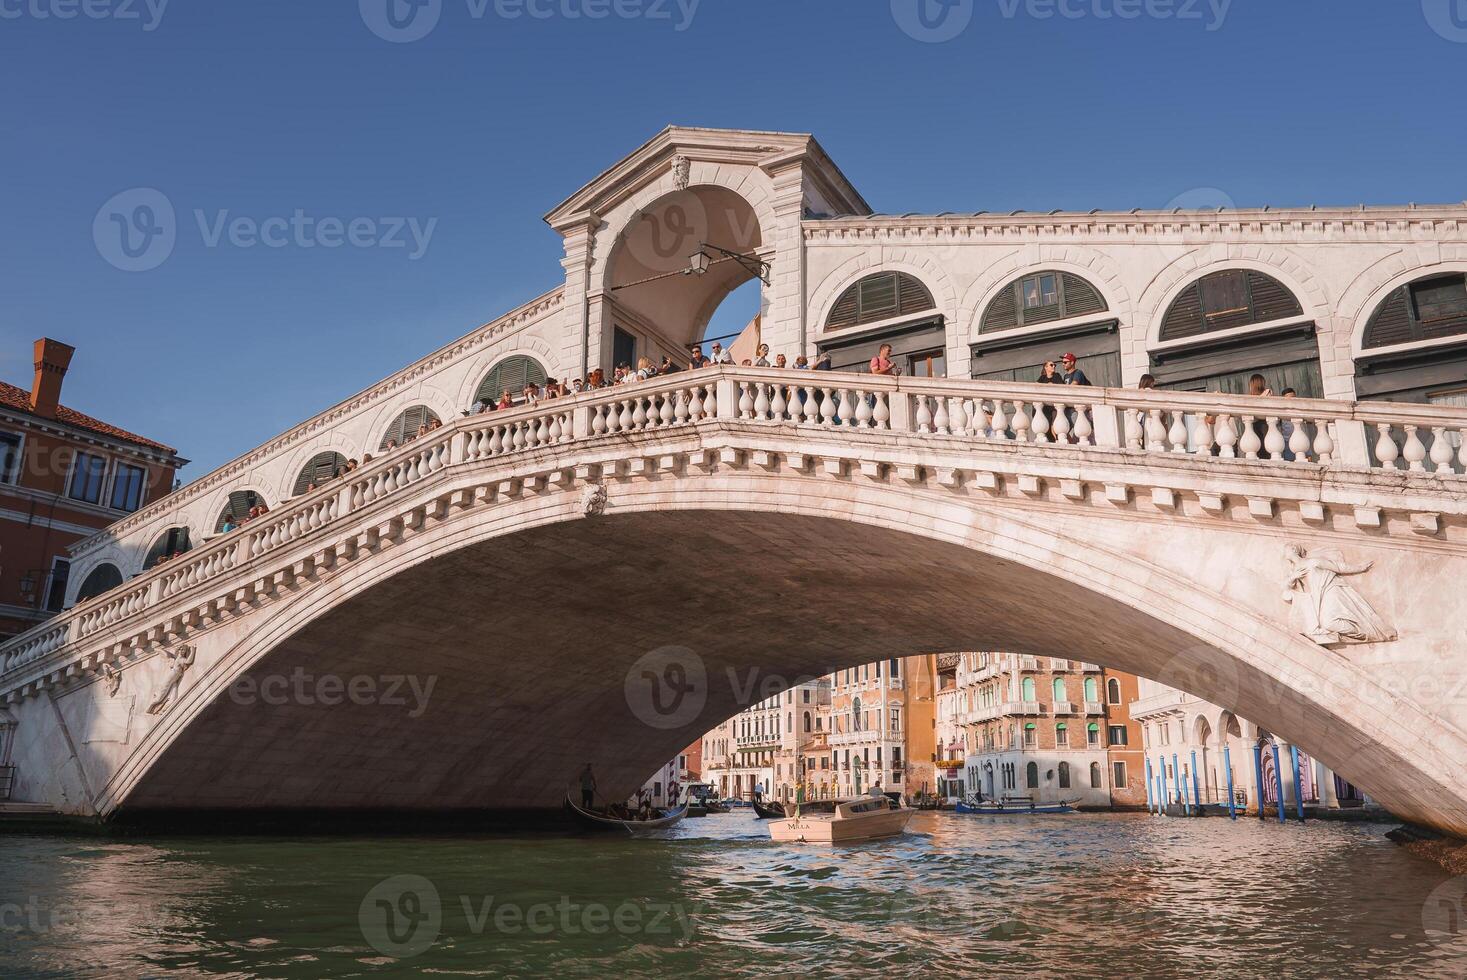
x: 1091, y: 668
x: 979, y: 715
x: 1028, y: 663
x: 749, y: 741
x: 1094, y: 708
x: 1023, y: 708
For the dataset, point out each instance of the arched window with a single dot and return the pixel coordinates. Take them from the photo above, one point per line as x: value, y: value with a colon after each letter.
x: 882, y: 296
x: 1192, y: 358
x: 406, y: 426
x: 511, y: 375
x: 1113, y: 691
x: 1062, y: 735
x: 241, y: 502
x: 1092, y: 690
x: 1092, y: 735
x: 1031, y: 775
x: 1031, y: 735
x: 1095, y: 775
x: 1059, y: 690
x: 807, y: 722
x: 170, y: 543
x: 1433, y: 308
x: 1026, y: 687
x: 101, y: 579
x: 1040, y: 297
x: 1227, y: 299
x: 1089, y: 330
x: 322, y: 467
x: 1064, y: 775
x: 789, y: 721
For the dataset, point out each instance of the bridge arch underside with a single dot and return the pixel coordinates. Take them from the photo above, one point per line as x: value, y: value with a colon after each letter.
x: 527, y: 639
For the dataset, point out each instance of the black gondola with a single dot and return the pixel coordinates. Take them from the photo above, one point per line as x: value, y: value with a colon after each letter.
x: 769, y: 811
x: 600, y: 821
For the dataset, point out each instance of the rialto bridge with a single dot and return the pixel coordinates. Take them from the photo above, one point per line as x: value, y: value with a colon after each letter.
x: 519, y: 577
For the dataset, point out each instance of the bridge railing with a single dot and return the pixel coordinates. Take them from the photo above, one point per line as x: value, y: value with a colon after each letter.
x: 1238, y: 430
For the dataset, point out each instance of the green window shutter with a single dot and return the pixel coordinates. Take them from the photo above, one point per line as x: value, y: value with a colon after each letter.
x: 405, y: 426
x: 510, y: 374
x: 322, y: 467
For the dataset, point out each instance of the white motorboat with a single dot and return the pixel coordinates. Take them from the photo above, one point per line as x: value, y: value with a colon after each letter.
x: 850, y: 821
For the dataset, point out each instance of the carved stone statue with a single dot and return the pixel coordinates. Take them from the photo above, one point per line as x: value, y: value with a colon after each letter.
x: 593, y: 500
x: 112, y: 677
x: 1333, y: 611
x: 179, y: 661
x: 682, y: 171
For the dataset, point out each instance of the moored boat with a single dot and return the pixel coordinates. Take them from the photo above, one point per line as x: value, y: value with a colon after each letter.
x: 850, y: 821
x: 1015, y: 805
x: 770, y: 810
x: 602, y: 821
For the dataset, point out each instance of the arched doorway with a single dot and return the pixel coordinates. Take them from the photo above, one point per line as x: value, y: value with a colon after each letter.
x: 1414, y: 348
x: 893, y: 308
x: 1229, y: 325
x: 1041, y: 316
x: 659, y: 300
x: 169, y: 545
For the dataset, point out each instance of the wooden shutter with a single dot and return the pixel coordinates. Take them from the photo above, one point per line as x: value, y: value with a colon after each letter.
x: 322, y: 467
x: 173, y: 541
x: 1184, y: 319
x: 1391, y: 321
x: 405, y: 426
x: 103, y: 578
x: 240, y: 502
x: 510, y: 374
x: 1271, y: 299
x: 846, y: 310
x: 1080, y: 297
x: 1003, y: 312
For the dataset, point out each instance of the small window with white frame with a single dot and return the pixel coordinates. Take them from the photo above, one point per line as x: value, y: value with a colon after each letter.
x: 88, y: 476
x: 11, y: 444
x: 128, y: 486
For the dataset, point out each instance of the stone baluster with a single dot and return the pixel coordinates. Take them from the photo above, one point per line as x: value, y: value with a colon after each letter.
x: 627, y: 419
x: 1250, y: 443
x: 1386, y: 449
x: 1020, y: 423
x: 941, y: 420
x: 555, y: 434
x: 1415, y: 451
x: 1299, y: 443
x: 1000, y: 421
x: 1227, y: 437
x: 1441, y: 450
x: 960, y: 417
x: 1084, y: 429
x: 1134, y: 433
x: 881, y: 411
x: 978, y: 420
x: 1273, y: 438
x: 1204, y: 436
x: 812, y: 405
x: 762, y: 403
x: 746, y: 401
x: 1061, y: 425
x: 668, y: 413
x: 924, y: 415
x: 1324, y: 442
x: 847, y: 407
x: 639, y: 414
x: 1041, y: 421
x: 1177, y: 434
x: 1155, y: 432
x: 694, y: 411
x: 710, y: 404
x: 827, y: 407
x: 863, y: 410
x: 779, y: 405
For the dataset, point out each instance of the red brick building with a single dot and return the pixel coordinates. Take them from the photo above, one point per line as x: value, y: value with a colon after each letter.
x: 63, y: 476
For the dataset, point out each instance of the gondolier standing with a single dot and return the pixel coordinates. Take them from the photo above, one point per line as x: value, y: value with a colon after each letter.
x: 588, y: 787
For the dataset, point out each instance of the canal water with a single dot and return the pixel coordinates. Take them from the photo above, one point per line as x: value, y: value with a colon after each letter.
x: 1093, y: 895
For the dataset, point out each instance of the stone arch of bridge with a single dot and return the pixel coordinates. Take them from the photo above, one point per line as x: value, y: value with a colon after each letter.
x: 537, y: 624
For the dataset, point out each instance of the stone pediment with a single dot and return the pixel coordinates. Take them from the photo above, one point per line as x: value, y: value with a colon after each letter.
x: 676, y: 146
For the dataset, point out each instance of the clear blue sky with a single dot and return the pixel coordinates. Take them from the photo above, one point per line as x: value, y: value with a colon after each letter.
x: 261, y: 108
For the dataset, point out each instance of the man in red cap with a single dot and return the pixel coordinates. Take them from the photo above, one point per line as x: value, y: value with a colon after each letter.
x: 1073, y: 374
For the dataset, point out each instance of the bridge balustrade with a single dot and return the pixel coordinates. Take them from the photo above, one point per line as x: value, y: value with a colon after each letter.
x: 1231, y: 430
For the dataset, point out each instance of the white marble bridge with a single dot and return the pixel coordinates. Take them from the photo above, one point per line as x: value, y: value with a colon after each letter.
x: 517, y: 565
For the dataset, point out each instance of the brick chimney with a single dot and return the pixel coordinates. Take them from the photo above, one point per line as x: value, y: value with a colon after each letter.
x: 52, y: 359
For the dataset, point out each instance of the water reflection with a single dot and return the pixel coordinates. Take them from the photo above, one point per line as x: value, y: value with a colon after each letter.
x: 1085, y: 895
